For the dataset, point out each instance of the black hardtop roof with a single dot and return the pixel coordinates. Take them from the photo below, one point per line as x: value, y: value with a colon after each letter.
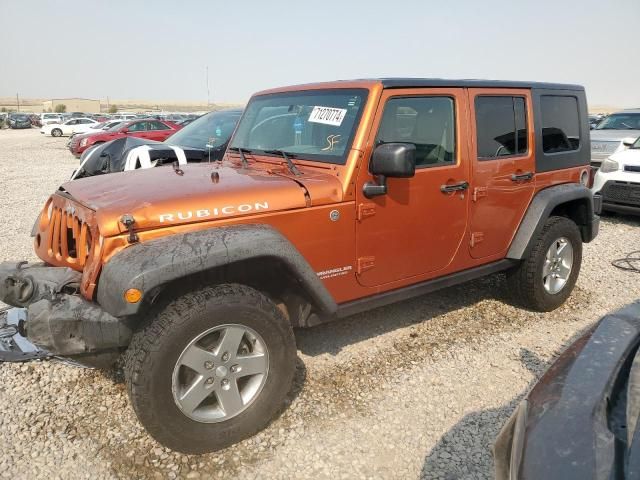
x: 471, y: 83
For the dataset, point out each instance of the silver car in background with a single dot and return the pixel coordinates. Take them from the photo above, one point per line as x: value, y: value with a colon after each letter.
x: 615, y: 133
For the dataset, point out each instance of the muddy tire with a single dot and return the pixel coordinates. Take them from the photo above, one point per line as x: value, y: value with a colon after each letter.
x: 545, y: 278
x: 56, y: 132
x: 212, y: 368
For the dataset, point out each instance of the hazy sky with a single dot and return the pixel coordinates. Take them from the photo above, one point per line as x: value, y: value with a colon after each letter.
x: 159, y: 49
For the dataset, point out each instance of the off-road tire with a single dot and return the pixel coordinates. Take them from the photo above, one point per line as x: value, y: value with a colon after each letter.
x: 156, y: 347
x: 525, y: 281
x: 56, y: 132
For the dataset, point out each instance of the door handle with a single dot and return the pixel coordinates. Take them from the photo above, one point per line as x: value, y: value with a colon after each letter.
x: 521, y: 177
x: 454, y: 187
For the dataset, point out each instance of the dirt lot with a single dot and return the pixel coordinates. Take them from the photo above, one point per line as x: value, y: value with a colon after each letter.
x: 414, y: 390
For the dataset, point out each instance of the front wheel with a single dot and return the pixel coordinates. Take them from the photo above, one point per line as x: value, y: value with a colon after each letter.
x: 545, y: 278
x: 213, y: 368
x: 56, y: 132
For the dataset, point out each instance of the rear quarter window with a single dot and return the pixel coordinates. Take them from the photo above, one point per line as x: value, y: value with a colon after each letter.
x: 560, y: 123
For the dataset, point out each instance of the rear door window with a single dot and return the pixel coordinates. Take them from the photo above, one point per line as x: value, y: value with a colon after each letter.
x: 501, y: 126
x: 560, y: 123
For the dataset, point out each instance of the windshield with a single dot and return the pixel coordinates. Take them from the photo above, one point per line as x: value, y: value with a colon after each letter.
x: 312, y: 124
x: 19, y: 116
x: 620, y: 121
x: 116, y: 127
x: 207, y: 132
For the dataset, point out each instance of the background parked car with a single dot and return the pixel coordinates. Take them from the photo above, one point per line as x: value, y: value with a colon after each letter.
x: 19, y: 120
x: 594, y: 119
x: 617, y: 182
x: 150, y: 129
x: 35, y: 120
x: 74, y: 125
x: 124, y: 116
x: 48, y: 118
x: 204, y: 140
x: 614, y: 133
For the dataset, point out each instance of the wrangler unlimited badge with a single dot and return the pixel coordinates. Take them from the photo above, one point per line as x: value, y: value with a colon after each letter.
x: 213, y: 212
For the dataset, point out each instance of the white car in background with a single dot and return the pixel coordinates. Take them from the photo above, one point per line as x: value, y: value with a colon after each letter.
x: 74, y: 125
x: 124, y: 116
x: 99, y: 127
x: 49, y: 118
x: 617, y: 182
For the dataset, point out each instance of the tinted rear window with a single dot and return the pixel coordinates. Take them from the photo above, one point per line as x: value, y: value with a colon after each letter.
x: 560, y: 124
x: 501, y: 126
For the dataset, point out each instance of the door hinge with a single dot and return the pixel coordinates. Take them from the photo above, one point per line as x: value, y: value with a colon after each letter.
x: 476, y: 238
x: 365, y: 263
x: 366, y: 210
x: 479, y: 192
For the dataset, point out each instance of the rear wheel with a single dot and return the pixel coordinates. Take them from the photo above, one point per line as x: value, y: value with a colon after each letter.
x: 213, y: 368
x: 545, y: 278
x: 56, y: 132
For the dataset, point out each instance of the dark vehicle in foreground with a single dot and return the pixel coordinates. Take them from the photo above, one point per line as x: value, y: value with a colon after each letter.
x: 157, y: 130
x: 203, y: 140
x: 19, y: 120
x: 333, y: 198
x: 580, y: 421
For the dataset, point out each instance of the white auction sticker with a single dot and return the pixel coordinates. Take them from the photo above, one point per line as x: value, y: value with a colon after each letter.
x: 328, y: 115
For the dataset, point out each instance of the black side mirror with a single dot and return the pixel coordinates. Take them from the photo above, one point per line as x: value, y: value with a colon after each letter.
x: 395, y: 160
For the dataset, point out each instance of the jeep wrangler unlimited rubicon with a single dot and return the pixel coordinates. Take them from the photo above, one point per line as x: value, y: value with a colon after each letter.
x: 333, y: 198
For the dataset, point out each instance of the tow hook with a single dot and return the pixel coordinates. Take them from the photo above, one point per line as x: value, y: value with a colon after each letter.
x: 14, y: 347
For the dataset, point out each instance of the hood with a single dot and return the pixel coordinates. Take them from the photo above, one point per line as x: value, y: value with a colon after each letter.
x: 631, y: 156
x: 613, y: 135
x: 160, y: 197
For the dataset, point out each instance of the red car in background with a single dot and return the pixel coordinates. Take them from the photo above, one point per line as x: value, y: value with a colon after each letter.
x: 151, y: 129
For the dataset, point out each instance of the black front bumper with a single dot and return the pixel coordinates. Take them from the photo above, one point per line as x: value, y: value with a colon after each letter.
x: 57, y: 318
x: 620, y: 196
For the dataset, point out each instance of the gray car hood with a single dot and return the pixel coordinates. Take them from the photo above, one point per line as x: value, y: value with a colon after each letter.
x: 612, y: 135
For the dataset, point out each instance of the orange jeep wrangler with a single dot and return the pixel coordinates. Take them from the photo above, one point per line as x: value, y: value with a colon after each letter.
x: 333, y: 198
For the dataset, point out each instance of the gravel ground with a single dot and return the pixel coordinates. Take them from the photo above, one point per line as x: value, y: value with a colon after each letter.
x: 415, y: 390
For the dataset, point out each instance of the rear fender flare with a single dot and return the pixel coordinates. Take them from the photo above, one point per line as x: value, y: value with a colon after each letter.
x: 540, y: 209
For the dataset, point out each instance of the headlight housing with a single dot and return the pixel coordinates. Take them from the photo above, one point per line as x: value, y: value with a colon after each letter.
x: 83, y: 142
x: 609, y: 165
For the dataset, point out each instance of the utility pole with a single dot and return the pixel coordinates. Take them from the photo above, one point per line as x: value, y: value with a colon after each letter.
x: 18, y: 101
x: 208, y: 85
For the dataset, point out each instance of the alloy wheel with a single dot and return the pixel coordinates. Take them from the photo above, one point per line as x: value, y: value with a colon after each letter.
x: 220, y: 373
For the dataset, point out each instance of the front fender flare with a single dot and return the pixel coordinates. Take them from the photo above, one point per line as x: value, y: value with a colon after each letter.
x: 148, y: 265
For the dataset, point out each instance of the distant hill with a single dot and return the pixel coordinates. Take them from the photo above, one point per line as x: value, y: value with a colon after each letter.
x: 130, y: 105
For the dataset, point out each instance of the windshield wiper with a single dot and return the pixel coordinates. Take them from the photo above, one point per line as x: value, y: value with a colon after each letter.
x: 287, y: 156
x: 241, y: 151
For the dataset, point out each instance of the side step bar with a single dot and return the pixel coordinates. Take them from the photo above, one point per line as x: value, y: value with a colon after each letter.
x: 386, y: 298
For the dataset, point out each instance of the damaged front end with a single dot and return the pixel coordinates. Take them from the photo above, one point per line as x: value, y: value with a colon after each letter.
x: 52, y: 316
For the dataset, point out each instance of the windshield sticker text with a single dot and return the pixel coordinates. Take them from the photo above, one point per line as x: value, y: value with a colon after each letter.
x: 328, y: 115
x: 331, y: 141
x: 213, y: 212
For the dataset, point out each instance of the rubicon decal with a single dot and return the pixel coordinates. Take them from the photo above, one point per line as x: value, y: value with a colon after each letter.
x: 213, y: 212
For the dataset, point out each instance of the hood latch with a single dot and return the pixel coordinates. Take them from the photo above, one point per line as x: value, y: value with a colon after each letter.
x: 128, y: 221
